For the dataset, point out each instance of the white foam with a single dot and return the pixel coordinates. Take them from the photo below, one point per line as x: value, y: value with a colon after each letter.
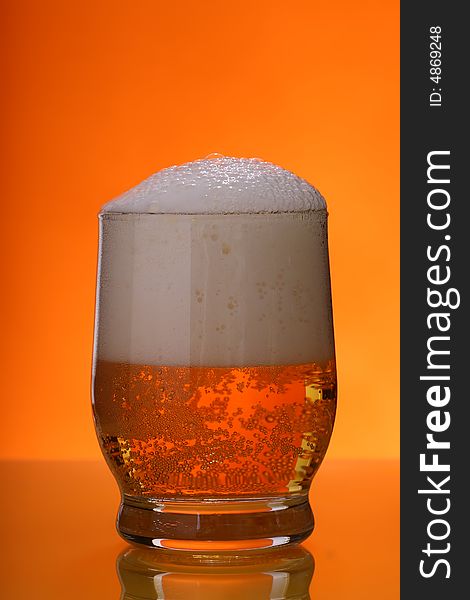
x: 211, y: 287
x: 219, y: 185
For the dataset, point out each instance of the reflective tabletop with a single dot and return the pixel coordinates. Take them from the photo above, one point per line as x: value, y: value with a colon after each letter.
x: 59, y: 542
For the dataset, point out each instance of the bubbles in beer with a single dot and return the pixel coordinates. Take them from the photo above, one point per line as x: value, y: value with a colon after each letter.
x: 195, y: 431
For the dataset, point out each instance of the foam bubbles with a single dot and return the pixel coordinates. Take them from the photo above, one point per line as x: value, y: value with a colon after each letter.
x: 219, y: 185
x: 219, y: 262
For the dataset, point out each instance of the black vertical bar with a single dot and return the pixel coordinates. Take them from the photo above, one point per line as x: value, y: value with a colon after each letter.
x: 437, y: 123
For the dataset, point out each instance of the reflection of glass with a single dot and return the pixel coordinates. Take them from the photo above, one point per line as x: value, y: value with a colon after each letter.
x: 276, y: 574
x: 214, y: 371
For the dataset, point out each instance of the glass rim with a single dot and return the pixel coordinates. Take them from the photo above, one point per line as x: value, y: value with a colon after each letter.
x: 117, y: 214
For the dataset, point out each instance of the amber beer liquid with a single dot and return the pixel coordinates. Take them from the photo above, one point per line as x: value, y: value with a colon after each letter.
x: 194, y: 432
x: 214, y: 387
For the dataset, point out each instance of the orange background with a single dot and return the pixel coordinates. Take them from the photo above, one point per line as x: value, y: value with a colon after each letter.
x: 98, y: 95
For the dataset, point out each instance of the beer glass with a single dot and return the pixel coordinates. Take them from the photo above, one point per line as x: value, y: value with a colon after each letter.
x: 214, y: 383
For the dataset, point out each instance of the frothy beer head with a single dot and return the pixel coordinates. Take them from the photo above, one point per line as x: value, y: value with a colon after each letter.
x: 218, y: 262
x: 221, y: 185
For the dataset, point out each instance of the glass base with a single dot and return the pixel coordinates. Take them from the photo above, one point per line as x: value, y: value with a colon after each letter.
x: 215, y: 525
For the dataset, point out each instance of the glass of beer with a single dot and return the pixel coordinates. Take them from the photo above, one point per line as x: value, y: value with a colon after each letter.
x: 214, y: 382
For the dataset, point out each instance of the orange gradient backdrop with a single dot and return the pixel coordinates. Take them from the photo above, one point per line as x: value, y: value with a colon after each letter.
x: 98, y: 95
